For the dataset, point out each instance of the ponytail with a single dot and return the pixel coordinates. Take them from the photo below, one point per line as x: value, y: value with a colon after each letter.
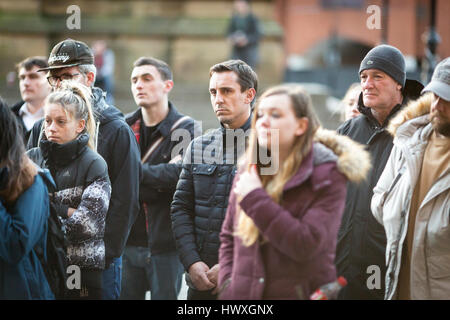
x: 75, y: 98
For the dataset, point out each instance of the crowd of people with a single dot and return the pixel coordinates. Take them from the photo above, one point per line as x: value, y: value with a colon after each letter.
x: 270, y: 205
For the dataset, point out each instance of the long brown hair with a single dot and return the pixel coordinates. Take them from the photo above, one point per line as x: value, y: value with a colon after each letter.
x: 301, y: 104
x: 21, y: 170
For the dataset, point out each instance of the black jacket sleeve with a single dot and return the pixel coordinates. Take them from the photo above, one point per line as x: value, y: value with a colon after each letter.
x: 124, y: 173
x: 163, y: 177
x: 182, y: 215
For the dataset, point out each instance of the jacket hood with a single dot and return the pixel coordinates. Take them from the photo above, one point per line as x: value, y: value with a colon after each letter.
x: 103, y: 112
x: 414, y: 109
x: 352, y: 159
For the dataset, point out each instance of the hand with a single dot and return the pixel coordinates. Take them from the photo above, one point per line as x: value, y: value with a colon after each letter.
x: 248, y: 181
x: 176, y: 159
x: 197, y: 272
x: 213, y: 276
x: 70, y: 212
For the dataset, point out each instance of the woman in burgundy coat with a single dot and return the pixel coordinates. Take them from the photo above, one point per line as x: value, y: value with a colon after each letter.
x: 278, y: 239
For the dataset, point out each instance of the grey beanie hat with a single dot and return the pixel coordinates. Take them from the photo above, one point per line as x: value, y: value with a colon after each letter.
x: 387, y: 59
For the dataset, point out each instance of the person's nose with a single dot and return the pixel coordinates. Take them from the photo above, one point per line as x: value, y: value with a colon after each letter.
x: 51, y: 127
x: 218, y: 99
x: 367, y: 83
x: 264, y: 121
x: 57, y: 83
x: 437, y: 104
x: 138, y: 84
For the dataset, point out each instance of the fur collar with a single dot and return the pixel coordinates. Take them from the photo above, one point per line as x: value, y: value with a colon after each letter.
x: 352, y: 159
x: 413, y: 110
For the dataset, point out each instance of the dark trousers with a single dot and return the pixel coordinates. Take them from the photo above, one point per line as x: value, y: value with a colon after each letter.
x: 193, y: 294
x: 91, y: 286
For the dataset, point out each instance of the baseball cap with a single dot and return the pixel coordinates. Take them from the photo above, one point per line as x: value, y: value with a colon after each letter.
x: 69, y: 53
x: 440, y: 81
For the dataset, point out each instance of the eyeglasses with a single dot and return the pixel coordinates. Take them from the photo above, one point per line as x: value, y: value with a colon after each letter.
x: 53, y: 80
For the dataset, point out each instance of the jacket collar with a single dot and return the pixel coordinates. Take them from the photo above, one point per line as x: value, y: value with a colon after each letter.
x: 244, y: 127
x: 163, y: 127
x: 60, y: 155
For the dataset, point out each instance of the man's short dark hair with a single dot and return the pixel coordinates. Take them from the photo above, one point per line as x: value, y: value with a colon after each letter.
x: 247, y: 78
x: 162, y: 67
x: 30, y: 62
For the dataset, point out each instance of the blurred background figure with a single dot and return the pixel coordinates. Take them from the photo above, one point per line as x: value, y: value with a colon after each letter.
x: 104, y: 61
x: 34, y: 88
x: 350, y: 102
x: 244, y: 33
x: 24, y: 209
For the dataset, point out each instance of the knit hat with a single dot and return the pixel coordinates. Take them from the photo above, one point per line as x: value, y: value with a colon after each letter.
x: 69, y: 53
x: 387, y: 59
x: 440, y: 81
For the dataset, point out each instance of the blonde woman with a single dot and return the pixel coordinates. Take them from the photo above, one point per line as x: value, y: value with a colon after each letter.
x: 83, y: 189
x: 350, y: 102
x: 279, y: 235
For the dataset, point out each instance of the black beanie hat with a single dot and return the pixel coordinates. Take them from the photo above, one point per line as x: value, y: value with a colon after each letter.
x: 387, y: 59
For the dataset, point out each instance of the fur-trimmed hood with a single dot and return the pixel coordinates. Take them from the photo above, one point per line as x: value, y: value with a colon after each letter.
x: 413, y: 110
x: 352, y: 159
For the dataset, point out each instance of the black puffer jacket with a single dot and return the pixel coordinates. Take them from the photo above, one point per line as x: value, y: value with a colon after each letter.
x: 82, y: 182
x: 201, y: 198
x: 117, y: 145
x: 361, y: 239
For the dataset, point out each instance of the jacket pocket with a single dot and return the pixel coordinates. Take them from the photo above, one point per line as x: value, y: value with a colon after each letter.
x: 439, y: 266
x: 204, y: 180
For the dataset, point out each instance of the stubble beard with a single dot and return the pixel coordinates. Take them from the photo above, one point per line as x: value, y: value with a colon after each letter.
x: 441, y: 128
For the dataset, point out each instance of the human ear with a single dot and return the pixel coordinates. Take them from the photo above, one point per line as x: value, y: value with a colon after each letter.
x: 303, y: 124
x: 80, y: 126
x: 89, y: 79
x: 168, y: 85
x: 251, y: 93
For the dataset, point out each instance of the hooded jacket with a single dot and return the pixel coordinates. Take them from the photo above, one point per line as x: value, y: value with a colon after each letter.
x: 298, y: 254
x: 391, y: 202
x: 117, y: 145
x: 361, y: 239
x: 82, y: 183
x: 23, y: 227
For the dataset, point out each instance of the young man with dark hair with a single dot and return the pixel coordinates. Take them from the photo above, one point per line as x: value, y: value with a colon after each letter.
x: 150, y: 259
x: 201, y: 197
x: 34, y: 88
